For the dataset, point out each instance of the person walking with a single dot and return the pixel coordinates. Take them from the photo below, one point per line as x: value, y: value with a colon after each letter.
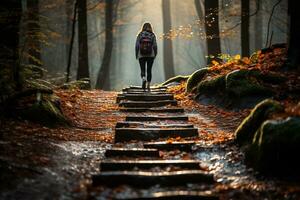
x: 145, y: 52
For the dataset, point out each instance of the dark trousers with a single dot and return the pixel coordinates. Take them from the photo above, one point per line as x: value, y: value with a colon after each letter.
x: 149, y: 62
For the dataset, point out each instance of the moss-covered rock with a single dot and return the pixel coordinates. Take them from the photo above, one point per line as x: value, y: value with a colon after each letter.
x: 239, y: 88
x: 272, y: 77
x: 83, y: 84
x: 245, y: 132
x: 44, y: 112
x: 276, y: 146
x: 176, y: 79
x: 195, y: 79
x: 38, y: 105
x: 240, y: 83
x: 212, y: 86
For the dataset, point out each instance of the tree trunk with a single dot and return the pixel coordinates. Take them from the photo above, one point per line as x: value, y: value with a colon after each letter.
x: 199, y: 9
x: 167, y: 43
x: 69, y: 53
x: 10, y: 12
x: 212, y: 29
x: 83, y: 60
x: 33, y: 29
x: 103, y: 76
x: 245, y: 28
x: 258, y: 26
x: 294, y: 42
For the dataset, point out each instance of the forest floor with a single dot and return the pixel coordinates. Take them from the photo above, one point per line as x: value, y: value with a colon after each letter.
x: 39, y: 162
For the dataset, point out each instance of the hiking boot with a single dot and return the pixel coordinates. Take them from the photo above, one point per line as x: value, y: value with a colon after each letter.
x: 144, y: 83
x: 148, y: 86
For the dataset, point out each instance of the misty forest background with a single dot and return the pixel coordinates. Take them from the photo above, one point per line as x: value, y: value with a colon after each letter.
x: 99, y: 43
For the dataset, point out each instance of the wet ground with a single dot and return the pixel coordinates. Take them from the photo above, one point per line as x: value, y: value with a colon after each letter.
x: 42, y: 163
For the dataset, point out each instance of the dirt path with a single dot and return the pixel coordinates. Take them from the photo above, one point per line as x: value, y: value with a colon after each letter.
x: 57, y: 163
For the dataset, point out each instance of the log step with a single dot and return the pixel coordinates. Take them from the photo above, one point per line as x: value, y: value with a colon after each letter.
x: 147, y: 164
x: 145, y: 97
x: 148, y: 104
x: 145, y: 125
x: 146, y: 179
x: 174, y: 195
x: 148, y: 134
x: 134, y: 152
x: 140, y: 87
x: 157, y: 118
x: 166, y: 146
x: 146, y: 92
x: 158, y: 110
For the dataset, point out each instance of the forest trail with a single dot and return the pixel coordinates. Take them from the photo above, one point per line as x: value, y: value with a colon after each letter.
x: 170, y: 147
x: 154, y: 120
x: 128, y: 145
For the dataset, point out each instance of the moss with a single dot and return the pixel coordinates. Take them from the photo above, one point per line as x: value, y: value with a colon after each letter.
x: 211, y: 86
x: 246, y: 130
x: 272, y: 77
x: 176, y: 79
x: 80, y: 84
x: 195, y: 79
x: 240, y: 83
x: 45, y: 113
x: 275, y: 147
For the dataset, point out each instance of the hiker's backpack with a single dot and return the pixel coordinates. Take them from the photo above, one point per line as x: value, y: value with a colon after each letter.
x: 146, y: 44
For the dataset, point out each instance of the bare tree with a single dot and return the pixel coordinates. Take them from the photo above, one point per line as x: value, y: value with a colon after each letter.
x: 70, y: 49
x: 212, y: 29
x: 245, y: 28
x: 33, y: 29
x: 83, y: 61
x: 167, y: 43
x: 258, y: 25
x: 103, y: 75
x: 294, y: 43
x: 11, y: 12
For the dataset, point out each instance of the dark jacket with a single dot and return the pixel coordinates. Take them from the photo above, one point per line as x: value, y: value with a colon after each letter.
x: 138, y: 41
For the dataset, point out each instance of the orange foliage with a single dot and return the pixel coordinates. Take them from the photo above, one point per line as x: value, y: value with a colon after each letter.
x: 269, y: 61
x: 216, y: 125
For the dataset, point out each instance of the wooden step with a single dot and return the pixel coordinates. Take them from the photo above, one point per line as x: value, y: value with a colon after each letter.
x: 148, y: 134
x: 146, y: 179
x: 133, y: 152
x: 157, y: 118
x: 156, y: 110
x: 169, y: 146
x: 145, y: 97
x: 142, y: 90
x: 148, y: 104
x: 129, y: 124
x: 174, y: 195
x: 140, y: 87
x: 145, y: 92
x: 147, y: 164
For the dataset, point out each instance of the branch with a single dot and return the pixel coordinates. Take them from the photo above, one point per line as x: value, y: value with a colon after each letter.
x: 251, y: 15
x: 269, y: 22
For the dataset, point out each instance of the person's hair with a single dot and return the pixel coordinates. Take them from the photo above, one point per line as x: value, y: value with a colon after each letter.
x: 147, y: 27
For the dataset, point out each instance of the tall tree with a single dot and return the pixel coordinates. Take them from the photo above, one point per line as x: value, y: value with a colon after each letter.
x: 294, y: 42
x: 83, y: 60
x: 258, y: 26
x: 70, y: 46
x: 33, y: 29
x: 245, y: 27
x: 167, y: 43
x: 10, y: 12
x: 212, y: 29
x: 103, y: 75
